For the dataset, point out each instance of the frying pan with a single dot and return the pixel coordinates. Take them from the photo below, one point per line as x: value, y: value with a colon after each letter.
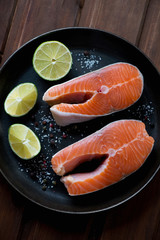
x: 91, y: 49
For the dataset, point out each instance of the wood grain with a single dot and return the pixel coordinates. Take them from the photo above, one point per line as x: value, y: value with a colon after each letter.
x: 111, y: 16
x: 150, y: 37
x: 33, y: 18
x: 8, y: 7
x: 138, y: 21
x: 11, y: 213
x: 43, y: 224
x: 137, y: 219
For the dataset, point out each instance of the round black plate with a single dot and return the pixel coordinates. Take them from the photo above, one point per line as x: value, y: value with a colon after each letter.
x: 91, y: 49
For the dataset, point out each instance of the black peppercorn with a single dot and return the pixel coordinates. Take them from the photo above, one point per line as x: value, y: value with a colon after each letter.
x: 86, y: 53
x: 52, y: 143
x: 44, y: 187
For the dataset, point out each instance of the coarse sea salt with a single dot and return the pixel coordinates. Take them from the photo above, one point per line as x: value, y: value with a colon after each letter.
x: 87, y: 61
x: 39, y: 169
x: 144, y: 112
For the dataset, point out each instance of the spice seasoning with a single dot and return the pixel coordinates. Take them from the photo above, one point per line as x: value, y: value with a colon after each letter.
x: 44, y: 122
x: 44, y: 187
x: 51, y: 135
x: 51, y: 125
x: 52, y: 143
x: 64, y: 135
x: 36, y: 124
x: 86, y: 53
x: 33, y: 117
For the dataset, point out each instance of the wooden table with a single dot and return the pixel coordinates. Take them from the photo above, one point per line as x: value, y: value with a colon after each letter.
x: 138, y: 21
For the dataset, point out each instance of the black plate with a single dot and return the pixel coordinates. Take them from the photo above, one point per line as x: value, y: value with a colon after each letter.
x: 91, y: 49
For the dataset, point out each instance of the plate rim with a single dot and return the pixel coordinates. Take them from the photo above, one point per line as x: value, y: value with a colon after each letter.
x: 79, y: 28
x: 86, y: 29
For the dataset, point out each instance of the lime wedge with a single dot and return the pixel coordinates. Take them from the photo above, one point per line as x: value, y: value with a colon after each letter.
x: 23, y: 141
x: 21, y: 99
x: 52, y: 60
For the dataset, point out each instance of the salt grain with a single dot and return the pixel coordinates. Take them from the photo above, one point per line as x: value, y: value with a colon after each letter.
x: 144, y: 112
x: 87, y: 61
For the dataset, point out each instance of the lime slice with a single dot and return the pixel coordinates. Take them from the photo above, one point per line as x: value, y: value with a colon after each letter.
x: 52, y: 60
x: 23, y: 141
x: 21, y: 99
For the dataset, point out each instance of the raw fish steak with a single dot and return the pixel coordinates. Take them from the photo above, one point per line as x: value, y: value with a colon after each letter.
x: 124, y: 145
x: 101, y: 92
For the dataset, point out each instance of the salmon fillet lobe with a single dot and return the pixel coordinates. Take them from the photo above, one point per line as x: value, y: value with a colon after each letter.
x: 124, y: 146
x: 101, y: 92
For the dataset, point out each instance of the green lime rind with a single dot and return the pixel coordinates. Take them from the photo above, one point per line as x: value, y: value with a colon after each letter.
x: 24, y: 148
x: 43, y: 61
x: 28, y: 109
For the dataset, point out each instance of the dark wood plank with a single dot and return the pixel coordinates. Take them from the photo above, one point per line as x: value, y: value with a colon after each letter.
x: 34, y: 17
x: 139, y: 218
x: 7, y: 8
x: 11, y: 212
x: 123, y: 18
x: 43, y: 224
x: 31, y: 19
x: 136, y: 219
x: 150, y: 38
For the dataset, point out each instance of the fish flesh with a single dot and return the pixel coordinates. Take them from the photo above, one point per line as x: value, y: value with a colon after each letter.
x: 124, y: 145
x: 101, y: 92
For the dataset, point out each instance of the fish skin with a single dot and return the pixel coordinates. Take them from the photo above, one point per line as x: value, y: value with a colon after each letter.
x: 125, y: 144
x: 98, y: 93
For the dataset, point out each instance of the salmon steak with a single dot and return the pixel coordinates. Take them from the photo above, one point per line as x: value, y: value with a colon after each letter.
x: 123, y: 145
x: 101, y: 92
